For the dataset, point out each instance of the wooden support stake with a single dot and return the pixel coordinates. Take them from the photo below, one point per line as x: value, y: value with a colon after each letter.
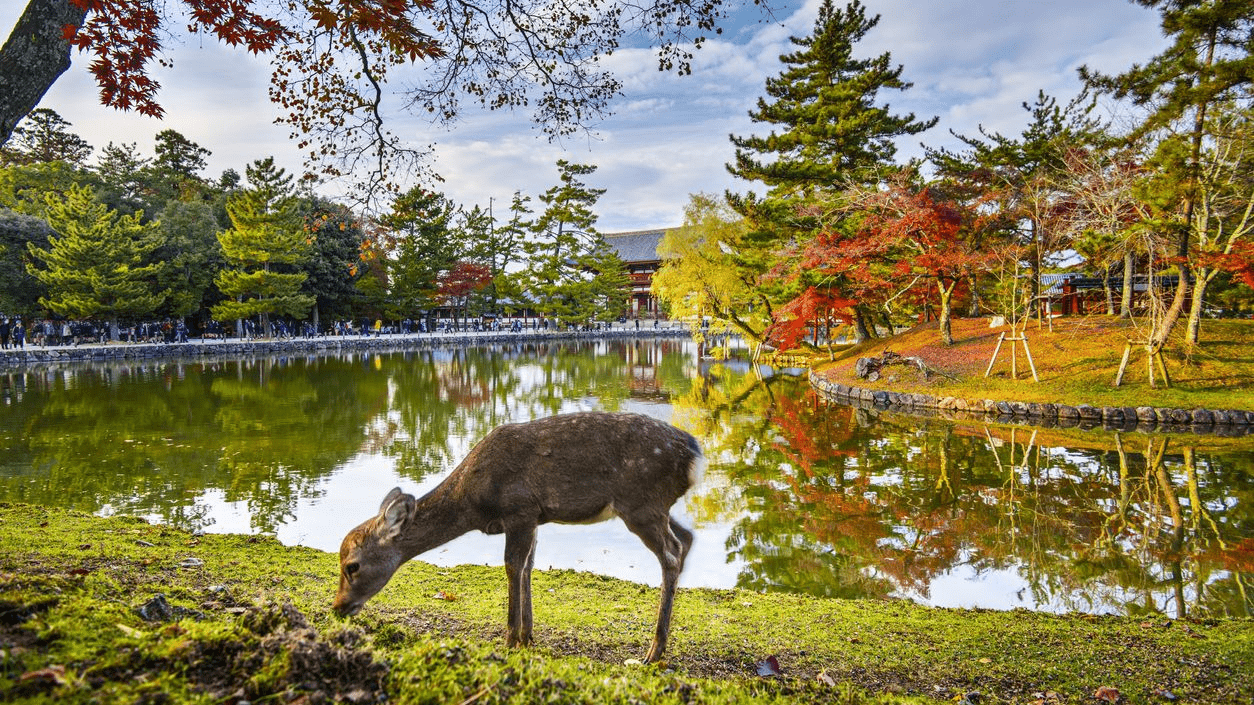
x: 995, y: 351
x: 1031, y: 363
x: 1123, y: 364
x: 1162, y: 367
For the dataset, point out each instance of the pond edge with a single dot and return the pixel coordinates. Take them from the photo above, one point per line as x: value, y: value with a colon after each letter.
x: 1146, y: 419
x: 11, y: 360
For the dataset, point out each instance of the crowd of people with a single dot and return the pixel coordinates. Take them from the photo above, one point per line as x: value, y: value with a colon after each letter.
x: 14, y: 334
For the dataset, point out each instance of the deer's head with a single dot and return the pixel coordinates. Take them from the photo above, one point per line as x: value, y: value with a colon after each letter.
x: 369, y: 554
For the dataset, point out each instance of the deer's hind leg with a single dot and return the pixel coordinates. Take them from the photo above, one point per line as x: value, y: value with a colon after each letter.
x: 669, y: 542
x: 520, y: 554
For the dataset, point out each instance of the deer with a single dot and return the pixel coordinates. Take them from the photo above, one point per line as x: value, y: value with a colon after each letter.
x: 578, y: 468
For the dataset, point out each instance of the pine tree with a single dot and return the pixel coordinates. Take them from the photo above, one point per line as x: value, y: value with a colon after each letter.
x: 44, y: 136
x: 98, y: 264
x: 831, y: 130
x: 831, y: 134
x: 1207, y: 66
x: 263, y: 250
x: 560, y: 255
x: 423, y: 247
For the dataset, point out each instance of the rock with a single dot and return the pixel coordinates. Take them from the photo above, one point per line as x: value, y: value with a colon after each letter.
x: 1202, y: 417
x: 1112, y: 414
x: 1089, y: 413
x: 1068, y: 412
x: 864, y: 366
x: 155, y: 610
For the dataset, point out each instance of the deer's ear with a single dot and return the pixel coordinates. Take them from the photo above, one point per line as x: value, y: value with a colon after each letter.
x: 396, y: 492
x: 397, y: 509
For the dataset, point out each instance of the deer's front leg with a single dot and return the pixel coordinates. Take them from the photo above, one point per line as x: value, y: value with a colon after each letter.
x: 520, y: 552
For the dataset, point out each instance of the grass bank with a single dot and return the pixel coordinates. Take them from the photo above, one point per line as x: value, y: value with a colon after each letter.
x: 246, y: 619
x: 1076, y: 362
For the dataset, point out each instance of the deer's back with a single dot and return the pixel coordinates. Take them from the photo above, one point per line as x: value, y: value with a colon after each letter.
x: 576, y: 467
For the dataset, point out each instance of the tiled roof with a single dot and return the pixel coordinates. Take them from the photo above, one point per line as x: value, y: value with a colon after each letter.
x: 637, y: 245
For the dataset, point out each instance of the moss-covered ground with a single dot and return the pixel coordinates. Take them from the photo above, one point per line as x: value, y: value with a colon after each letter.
x: 245, y: 619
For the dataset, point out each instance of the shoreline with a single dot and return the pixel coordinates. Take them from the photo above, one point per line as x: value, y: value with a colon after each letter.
x: 200, y: 349
x: 1143, y: 419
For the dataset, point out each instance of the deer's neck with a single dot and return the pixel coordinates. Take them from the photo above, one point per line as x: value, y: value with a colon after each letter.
x: 439, y: 517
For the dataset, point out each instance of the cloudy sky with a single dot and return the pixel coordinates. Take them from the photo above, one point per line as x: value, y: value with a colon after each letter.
x: 972, y: 62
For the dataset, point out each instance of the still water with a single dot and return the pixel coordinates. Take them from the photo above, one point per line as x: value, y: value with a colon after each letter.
x: 802, y: 495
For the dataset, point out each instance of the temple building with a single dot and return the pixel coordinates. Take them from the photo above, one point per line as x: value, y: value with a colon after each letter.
x: 638, y: 250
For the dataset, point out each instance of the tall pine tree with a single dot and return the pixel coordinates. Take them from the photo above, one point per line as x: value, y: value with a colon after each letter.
x: 830, y: 129
x: 1207, y: 66
x: 423, y: 246
x: 829, y: 132
x: 571, y: 274
x: 264, y: 250
x: 98, y: 264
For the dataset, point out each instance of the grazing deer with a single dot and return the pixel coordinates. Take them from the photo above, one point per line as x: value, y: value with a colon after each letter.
x: 573, y: 469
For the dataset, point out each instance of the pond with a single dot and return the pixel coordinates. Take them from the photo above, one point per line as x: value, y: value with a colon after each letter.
x: 802, y: 494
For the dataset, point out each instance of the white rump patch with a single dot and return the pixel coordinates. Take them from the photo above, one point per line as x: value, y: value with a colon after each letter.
x: 696, y: 470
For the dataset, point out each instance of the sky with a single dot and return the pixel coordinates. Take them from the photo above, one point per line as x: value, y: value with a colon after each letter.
x: 973, y: 64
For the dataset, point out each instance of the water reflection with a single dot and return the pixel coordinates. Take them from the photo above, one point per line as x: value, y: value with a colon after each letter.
x: 802, y: 495
x: 838, y: 501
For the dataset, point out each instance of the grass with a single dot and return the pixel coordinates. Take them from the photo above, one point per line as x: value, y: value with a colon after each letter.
x: 251, y: 621
x: 1076, y: 362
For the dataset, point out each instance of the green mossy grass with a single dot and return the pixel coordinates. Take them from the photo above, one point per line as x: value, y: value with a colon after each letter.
x: 251, y: 622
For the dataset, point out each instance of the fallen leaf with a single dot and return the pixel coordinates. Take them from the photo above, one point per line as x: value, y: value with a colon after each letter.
x: 447, y: 596
x: 52, y: 674
x: 827, y: 680
x: 84, y: 546
x: 986, y: 660
x: 1107, y: 694
x: 130, y: 631
x: 768, y: 668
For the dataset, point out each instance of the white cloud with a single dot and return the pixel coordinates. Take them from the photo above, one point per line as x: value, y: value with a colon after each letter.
x: 972, y: 62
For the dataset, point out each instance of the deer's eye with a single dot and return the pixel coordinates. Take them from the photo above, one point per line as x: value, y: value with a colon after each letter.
x: 350, y: 570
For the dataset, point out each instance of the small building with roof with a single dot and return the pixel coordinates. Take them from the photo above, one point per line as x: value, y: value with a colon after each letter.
x: 638, y: 250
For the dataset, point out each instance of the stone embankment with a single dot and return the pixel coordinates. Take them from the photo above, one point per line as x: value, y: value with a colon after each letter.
x: 1222, y: 422
x: 212, y: 349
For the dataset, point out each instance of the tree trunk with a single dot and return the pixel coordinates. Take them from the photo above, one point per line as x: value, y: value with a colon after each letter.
x: 1110, y: 294
x: 1196, y: 307
x: 1129, y: 271
x: 973, y: 309
x: 1159, y: 337
x: 946, y: 301
x: 860, y: 332
x: 32, y: 59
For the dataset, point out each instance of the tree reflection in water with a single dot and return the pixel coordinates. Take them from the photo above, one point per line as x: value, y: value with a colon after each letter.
x: 837, y: 501
x: 802, y: 495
